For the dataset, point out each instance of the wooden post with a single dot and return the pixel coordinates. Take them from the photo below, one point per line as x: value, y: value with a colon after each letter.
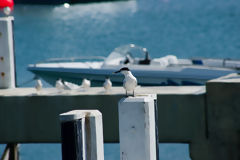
x: 11, y: 152
x: 137, y: 128
x: 7, y: 66
x: 82, y: 135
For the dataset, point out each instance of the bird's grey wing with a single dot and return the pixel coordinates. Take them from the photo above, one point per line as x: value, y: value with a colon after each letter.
x: 124, y: 83
x: 135, y: 81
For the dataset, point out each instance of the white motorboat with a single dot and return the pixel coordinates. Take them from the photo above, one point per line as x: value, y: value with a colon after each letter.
x: 168, y: 70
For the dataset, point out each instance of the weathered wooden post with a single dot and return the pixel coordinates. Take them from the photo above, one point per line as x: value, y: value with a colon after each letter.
x: 82, y: 135
x: 11, y: 152
x: 137, y: 128
x: 7, y: 66
x: 7, y: 71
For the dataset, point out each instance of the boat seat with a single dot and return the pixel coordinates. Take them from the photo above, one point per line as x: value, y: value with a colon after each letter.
x: 145, y: 61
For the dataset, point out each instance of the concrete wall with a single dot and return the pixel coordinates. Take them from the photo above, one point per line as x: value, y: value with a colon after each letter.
x: 208, y: 120
x: 222, y: 141
x: 36, y: 118
x: 26, y: 117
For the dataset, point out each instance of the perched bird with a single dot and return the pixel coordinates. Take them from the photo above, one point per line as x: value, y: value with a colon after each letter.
x: 86, y: 83
x: 38, y: 85
x: 59, y: 84
x: 129, y: 82
x: 70, y: 86
x: 107, y: 84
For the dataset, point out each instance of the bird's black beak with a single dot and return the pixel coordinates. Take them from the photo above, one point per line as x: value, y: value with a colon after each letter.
x: 117, y: 71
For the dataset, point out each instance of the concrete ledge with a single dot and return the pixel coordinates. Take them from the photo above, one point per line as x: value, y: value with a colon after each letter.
x: 100, y: 91
x: 27, y: 116
x: 222, y: 121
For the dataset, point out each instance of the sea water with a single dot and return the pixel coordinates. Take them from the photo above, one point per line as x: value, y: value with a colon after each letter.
x: 185, y: 28
x: 111, y: 151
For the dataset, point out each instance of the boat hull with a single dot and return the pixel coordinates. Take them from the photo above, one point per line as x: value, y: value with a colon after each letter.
x: 148, y: 77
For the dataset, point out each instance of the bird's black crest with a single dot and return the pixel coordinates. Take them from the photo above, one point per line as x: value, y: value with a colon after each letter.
x: 124, y: 69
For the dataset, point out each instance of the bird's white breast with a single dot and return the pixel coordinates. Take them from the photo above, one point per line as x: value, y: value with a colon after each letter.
x: 107, y: 84
x: 129, y: 83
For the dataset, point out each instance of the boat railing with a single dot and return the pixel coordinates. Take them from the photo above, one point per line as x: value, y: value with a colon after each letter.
x: 224, y: 63
x: 74, y: 59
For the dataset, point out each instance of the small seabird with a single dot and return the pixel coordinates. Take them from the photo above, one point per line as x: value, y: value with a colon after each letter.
x: 59, y: 84
x: 86, y: 83
x: 107, y: 84
x: 70, y: 86
x: 38, y: 85
x: 129, y: 82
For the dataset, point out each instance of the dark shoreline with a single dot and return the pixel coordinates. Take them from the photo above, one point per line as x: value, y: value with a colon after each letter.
x: 54, y: 2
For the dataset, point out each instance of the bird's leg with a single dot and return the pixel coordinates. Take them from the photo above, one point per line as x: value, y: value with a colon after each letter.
x: 133, y: 94
x: 126, y: 93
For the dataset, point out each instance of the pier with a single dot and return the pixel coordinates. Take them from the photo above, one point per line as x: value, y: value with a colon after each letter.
x: 34, y: 116
x: 205, y: 117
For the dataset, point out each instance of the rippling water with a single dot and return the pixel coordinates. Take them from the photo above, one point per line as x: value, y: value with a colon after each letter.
x: 186, y: 28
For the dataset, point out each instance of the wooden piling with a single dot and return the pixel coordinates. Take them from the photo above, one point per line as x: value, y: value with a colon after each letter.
x: 10, y: 152
x: 82, y: 135
x: 137, y: 128
x: 7, y: 62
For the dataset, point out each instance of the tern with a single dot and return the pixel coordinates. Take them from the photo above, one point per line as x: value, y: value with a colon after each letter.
x: 38, y: 85
x: 129, y: 82
x: 70, y: 86
x: 107, y: 84
x: 86, y: 83
x: 59, y: 84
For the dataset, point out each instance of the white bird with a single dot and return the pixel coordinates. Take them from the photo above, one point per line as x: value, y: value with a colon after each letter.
x: 129, y: 82
x: 38, y: 85
x: 59, y: 84
x: 86, y: 83
x: 107, y: 84
x: 70, y: 86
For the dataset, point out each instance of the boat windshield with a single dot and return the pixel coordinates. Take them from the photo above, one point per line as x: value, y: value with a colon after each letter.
x: 126, y: 54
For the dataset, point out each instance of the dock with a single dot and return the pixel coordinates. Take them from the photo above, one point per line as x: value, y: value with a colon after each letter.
x: 206, y: 117
x: 34, y: 115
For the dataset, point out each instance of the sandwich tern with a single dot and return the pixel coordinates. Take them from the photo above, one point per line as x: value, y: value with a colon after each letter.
x: 129, y: 82
x: 107, y: 84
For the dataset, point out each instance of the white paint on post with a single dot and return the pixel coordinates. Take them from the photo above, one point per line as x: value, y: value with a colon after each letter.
x: 7, y: 66
x: 137, y: 128
x: 92, y: 132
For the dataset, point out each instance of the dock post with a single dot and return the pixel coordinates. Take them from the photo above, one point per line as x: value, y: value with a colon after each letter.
x: 82, y: 135
x: 7, y: 66
x: 137, y: 128
x: 11, y: 152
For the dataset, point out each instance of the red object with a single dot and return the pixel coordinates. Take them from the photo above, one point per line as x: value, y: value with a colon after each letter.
x: 6, y: 3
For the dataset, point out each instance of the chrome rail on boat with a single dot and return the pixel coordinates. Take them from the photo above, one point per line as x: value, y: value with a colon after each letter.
x: 73, y: 59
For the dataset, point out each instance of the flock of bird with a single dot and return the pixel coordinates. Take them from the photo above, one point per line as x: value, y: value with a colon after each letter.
x: 129, y: 83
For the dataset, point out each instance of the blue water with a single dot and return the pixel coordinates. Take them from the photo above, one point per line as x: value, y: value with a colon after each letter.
x: 111, y: 151
x: 185, y: 28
